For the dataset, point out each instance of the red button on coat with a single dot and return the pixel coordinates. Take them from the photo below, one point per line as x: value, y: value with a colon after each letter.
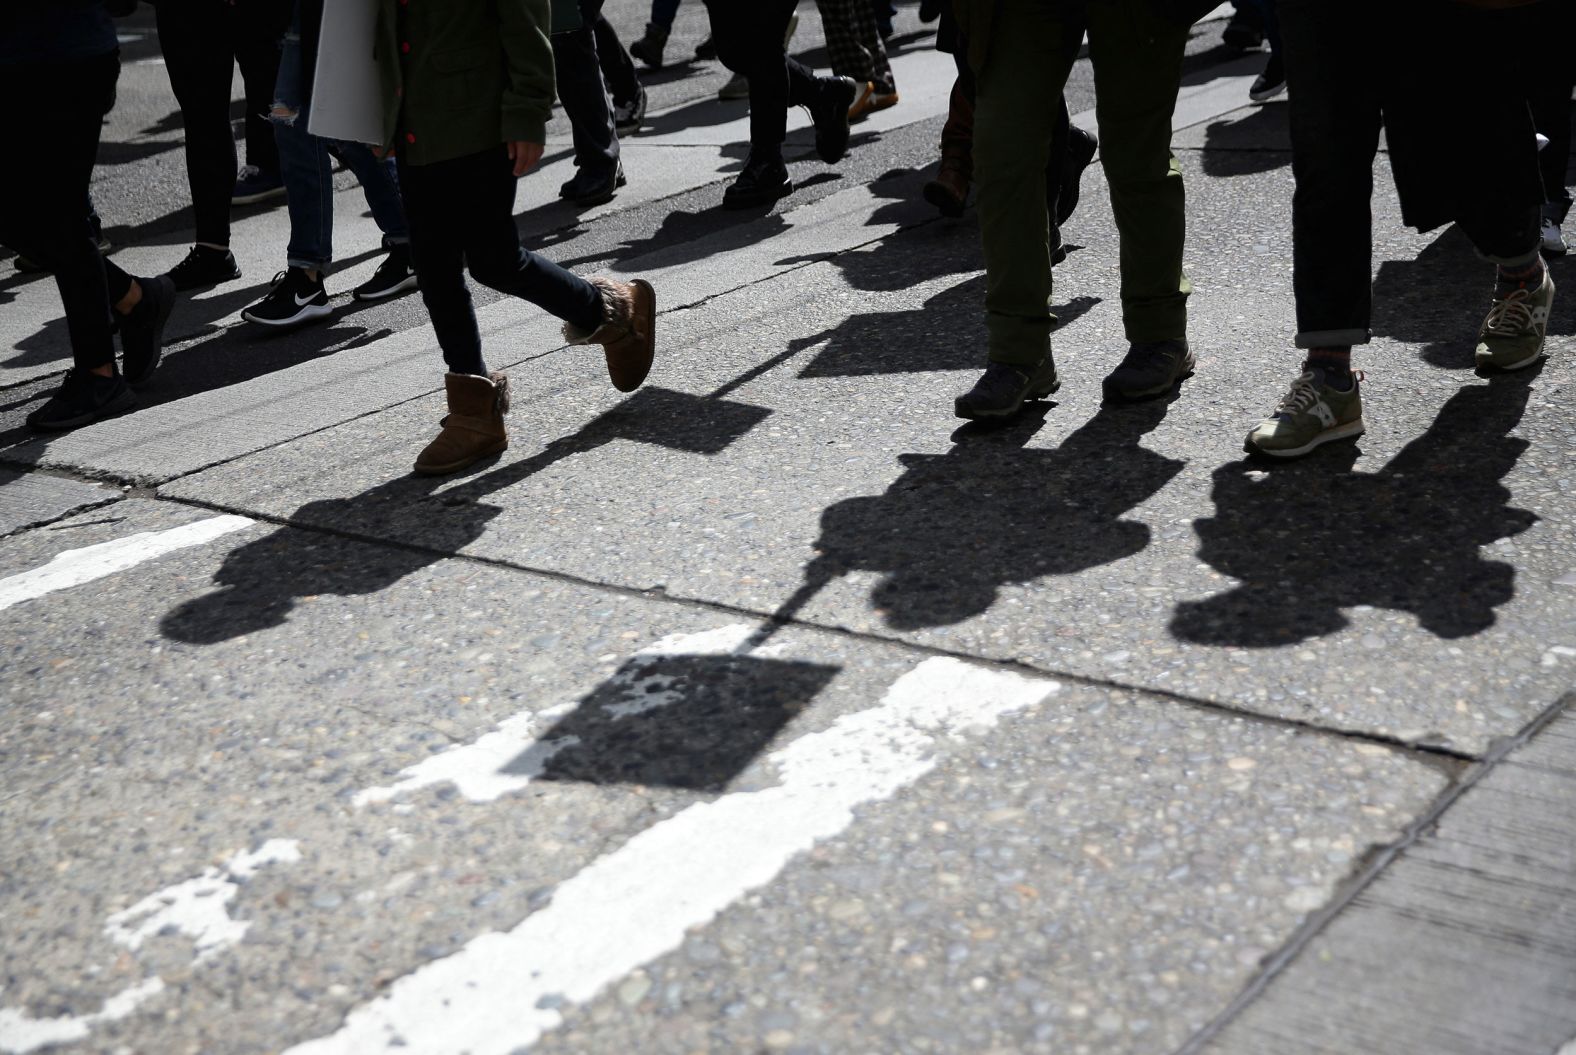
x: 410, y: 137
x: 405, y: 47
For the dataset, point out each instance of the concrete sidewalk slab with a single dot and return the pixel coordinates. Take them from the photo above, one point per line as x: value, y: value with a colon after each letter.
x: 30, y: 499
x: 1465, y: 945
x: 298, y: 768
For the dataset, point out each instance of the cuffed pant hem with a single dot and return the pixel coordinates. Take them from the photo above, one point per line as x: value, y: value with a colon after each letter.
x: 1332, y: 338
x: 1519, y: 260
x: 308, y: 265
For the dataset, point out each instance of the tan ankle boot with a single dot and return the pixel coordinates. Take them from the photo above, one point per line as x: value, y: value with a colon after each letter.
x: 628, y: 337
x: 473, y: 427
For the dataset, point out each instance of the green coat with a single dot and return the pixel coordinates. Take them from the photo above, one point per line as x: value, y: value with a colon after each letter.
x: 462, y: 76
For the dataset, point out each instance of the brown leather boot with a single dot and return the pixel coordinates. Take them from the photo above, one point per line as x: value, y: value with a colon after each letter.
x: 473, y: 427
x: 628, y: 337
x: 949, y: 191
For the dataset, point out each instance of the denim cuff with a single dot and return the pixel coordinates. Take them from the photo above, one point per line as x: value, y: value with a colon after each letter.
x: 1332, y: 338
x: 308, y: 265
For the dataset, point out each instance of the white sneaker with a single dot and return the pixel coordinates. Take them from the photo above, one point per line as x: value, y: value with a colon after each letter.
x: 1553, y: 239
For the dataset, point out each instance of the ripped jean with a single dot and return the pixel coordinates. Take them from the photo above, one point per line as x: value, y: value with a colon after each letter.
x: 305, y: 166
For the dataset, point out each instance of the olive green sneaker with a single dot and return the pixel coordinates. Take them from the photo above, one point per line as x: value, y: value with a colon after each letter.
x: 1310, y: 414
x: 1512, y: 335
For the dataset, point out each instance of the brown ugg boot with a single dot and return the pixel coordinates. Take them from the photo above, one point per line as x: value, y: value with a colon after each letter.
x: 473, y: 427
x: 628, y: 337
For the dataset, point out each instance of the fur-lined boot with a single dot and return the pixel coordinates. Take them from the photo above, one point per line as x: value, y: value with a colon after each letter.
x: 473, y: 427
x: 628, y: 336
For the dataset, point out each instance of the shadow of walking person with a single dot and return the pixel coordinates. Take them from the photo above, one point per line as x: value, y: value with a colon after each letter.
x: 263, y: 579
x: 1311, y: 538
x: 956, y: 527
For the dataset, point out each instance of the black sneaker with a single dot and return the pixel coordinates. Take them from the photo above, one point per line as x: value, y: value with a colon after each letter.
x: 253, y: 185
x: 83, y: 397
x: 627, y: 117
x: 295, y: 299
x: 761, y: 183
x: 1270, y: 83
x: 204, y: 266
x: 587, y: 188
x: 1002, y: 390
x: 1081, y: 147
x: 393, y: 276
x: 1150, y: 368
x: 142, y: 332
x: 830, y: 114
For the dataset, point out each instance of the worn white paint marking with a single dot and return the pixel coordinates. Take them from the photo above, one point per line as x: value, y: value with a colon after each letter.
x: 501, y: 992
x: 199, y: 907
x: 20, y: 1034
x: 513, y: 755
x: 73, y: 567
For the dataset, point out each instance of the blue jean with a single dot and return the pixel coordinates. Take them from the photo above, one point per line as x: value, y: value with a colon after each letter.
x: 305, y: 166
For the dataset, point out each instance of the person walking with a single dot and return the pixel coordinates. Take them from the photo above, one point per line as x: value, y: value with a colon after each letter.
x: 299, y: 294
x: 63, y: 58
x: 1072, y: 148
x: 1021, y: 52
x: 749, y: 39
x: 583, y: 91
x: 467, y: 86
x: 1422, y: 79
x: 855, y: 49
x: 203, y: 41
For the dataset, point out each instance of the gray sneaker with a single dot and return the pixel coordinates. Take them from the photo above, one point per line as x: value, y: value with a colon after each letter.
x: 1310, y: 414
x: 1003, y: 389
x: 1512, y: 335
x: 1150, y: 368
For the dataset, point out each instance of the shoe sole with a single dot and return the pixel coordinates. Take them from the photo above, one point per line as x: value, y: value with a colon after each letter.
x: 1350, y: 430
x: 839, y: 109
x: 958, y: 409
x: 114, y: 407
x: 1486, y: 362
x: 943, y: 200
x: 1264, y: 97
x: 253, y: 199
x: 308, y: 313
x: 646, y: 304
x: 463, y: 463
x: 1072, y: 179
x: 384, y: 294
x: 1116, y: 396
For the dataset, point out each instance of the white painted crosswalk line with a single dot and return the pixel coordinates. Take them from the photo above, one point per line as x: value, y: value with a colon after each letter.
x: 73, y: 567
x: 501, y: 992
x: 20, y: 1034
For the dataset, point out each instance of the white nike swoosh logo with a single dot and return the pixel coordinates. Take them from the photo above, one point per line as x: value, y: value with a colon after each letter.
x: 303, y: 303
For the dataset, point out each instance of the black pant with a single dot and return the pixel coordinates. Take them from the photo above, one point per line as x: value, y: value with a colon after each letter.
x: 1342, y: 86
x: 749, y: 39
x: 202, y: 41
x: 584, y: 93
x: 461, y: 213
x: 41, y: 196
x: 618, y: 68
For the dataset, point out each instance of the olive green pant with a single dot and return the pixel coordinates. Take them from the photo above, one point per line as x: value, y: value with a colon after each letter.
x: 1137, y: 59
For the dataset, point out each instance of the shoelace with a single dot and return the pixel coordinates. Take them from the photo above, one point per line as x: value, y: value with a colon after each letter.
x: 1509, y: 317
x: 1305, y: 393
x: 248, y: 172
